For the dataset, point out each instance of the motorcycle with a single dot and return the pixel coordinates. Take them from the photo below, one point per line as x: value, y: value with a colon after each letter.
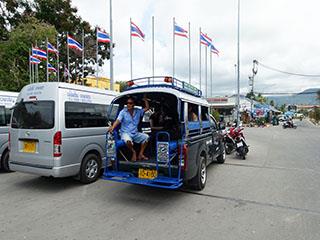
x: 289, y: 124
x: 235, y: 140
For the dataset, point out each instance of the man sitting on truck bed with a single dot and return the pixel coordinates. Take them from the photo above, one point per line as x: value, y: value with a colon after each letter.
x: 129, y: 118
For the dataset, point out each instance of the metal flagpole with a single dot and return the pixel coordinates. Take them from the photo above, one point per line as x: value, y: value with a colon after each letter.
x: 68, y: 61
x: 58, y: 64
x: 153, y: 49
x: 173, y: 50
x: 130, y: 51
x: 37, y: 73
x: 97, y: 56
x: 200, y: 58
x: 82, y: 57
x: 211, y: 73
x: 206, y: 71
x: 238, y: 67
x: 29, y: 66
x: 189, y: 54
x: 47, y: 71
x: 111, y: 48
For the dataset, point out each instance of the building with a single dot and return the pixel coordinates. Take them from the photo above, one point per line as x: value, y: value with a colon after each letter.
x: 103, y: 82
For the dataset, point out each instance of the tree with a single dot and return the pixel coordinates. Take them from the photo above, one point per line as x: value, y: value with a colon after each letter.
x: 318, y: 94
x: 15, y: 51
x: 123, y: 85
x: 272, y: 103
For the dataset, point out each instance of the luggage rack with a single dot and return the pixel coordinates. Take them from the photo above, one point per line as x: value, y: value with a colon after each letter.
x: 163, y: 81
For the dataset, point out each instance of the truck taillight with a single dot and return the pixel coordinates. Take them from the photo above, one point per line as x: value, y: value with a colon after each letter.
x: 57, y: 141
x: 184, y: 156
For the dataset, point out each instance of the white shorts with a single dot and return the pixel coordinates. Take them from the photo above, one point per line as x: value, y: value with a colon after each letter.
x: 137, y: 138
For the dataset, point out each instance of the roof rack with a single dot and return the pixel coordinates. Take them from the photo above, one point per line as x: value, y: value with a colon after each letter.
x: 163, y: 81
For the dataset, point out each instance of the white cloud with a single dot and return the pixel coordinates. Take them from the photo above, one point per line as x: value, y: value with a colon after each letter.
x: 283, y: 34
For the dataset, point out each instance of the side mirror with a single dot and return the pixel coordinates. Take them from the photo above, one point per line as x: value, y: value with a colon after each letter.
x: 222, y: 126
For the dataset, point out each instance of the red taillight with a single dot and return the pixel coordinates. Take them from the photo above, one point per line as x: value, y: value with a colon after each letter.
x: 57, y: 141
x: 168, y: 79
x: 9, y: 143
x: 130, y: 83
x: 184, y: 155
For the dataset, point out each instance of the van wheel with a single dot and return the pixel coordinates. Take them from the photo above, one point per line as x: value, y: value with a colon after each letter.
x: 5, y: 162
x: 90, y: 168
x: 222, y: 157
x: 200, y: 180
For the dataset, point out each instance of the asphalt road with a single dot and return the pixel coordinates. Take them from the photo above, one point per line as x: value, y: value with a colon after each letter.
x: 274, y: 194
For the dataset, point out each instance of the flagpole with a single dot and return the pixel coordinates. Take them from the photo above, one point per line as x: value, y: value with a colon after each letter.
x: 29, y: 66
x: 173, y: 50
x: 153, y: 49
x: 97, y: 56
x: 47, y: 71
x: 58, y: 64
x: 206, y: 71
x: 37, y: 73
x: 82, y: 80
x: 130, y: 51
x: 68, y: 61
x: 211, y: 73
x: 238, y: 67
x: 111, y: 48
x: 200, y: 58
x: 189, y: 53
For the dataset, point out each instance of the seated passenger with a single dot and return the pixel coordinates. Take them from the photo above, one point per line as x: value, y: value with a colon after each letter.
x: 129, y: 118
x: 192, y: 116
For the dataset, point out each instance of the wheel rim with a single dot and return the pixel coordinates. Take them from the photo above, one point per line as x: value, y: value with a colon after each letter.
x: 91, y: 168
x: 224, y: 154
x: 203, y: 173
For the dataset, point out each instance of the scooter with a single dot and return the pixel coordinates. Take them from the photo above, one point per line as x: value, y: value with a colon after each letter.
x: 289, y: 124
x: 235, y: 140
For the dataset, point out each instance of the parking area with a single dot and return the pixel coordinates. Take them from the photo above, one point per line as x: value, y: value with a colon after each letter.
x: 274, y: 194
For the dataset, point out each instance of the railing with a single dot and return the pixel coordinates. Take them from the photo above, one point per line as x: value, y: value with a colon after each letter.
x: 164, y: 81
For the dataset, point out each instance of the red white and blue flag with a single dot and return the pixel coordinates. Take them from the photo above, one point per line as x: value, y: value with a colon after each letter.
x: 214, y: 50
x: 39, y: 53
x: 52, y: 49
x: 205, y: 40
x: 102, y: 36
x: 51, y: 68
x: 34, y: 60
x: 179, y: 31
x: 136, y: 32
x: 72, y: 43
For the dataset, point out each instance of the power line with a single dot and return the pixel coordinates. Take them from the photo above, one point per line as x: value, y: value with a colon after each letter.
x: 285, y: 72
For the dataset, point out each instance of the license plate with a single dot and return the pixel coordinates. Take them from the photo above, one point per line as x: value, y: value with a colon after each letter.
x: 239, y: 144
x: 147, y: 173
x: 29, y: 146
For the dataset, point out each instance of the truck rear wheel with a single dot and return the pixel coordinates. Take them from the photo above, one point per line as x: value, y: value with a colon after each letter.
x: 200, y: 180
x: 90, y: 168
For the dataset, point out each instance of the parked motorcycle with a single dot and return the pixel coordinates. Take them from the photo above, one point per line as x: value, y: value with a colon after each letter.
x: 234, y: 140
x: 289, y: 124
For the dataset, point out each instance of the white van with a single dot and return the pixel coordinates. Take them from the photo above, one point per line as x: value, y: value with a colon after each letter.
x: 7, y: 101
x: 58, y: 129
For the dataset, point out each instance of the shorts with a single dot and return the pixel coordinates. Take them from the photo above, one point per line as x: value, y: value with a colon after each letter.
x: 137, y: 138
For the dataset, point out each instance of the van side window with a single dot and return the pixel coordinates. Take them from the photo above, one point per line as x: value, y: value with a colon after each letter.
x: 204, y: 113
x: 85, y: 115
x: 2, y: 116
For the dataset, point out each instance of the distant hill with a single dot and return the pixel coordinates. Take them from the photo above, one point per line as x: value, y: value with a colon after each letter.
x: 306, y: 97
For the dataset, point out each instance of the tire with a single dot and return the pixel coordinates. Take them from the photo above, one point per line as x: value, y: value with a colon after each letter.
x: 222, y: 157
x: 228, y: 148
x: 90, y: 168
x: 199, y: 181
x: 5, y: 162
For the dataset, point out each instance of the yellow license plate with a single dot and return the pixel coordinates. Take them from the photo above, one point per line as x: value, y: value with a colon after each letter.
x: 29, y: 146
x: 147, y: 173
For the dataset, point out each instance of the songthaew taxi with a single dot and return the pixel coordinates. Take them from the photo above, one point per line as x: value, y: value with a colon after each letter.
x: 181, y: 137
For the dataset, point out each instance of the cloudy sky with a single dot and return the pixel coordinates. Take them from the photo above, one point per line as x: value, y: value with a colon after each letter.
x: 284, y: 34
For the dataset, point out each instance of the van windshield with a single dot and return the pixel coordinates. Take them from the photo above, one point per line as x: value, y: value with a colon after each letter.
x: 33, y: 115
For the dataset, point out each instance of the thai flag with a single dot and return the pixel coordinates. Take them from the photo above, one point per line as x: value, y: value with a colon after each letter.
x: 34, y: 60
x: 52, y: 49
x: 102, y: 36
x: 51, y: 68
x: 39, y: 53
x: 179, y: 31
x: 72, y: 43
x: 214, y: 50
x: 136, y: 32
x: 205, y: 40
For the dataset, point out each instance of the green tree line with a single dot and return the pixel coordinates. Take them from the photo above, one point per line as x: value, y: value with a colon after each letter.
x: 23, y: 23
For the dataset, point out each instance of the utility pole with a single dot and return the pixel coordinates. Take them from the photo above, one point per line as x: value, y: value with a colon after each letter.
x: 251, y: 82
x: 238, y: 67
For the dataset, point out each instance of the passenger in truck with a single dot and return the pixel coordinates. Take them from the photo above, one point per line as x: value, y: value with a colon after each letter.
x: 129, y: 119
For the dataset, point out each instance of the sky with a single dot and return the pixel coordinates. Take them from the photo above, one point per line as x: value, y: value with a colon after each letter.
x: 279, y: 33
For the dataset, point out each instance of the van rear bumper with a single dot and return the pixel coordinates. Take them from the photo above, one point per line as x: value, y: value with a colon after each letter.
x: 64, y: 171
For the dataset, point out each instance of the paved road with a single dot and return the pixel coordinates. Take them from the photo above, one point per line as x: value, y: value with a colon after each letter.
x: 274, y: 194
